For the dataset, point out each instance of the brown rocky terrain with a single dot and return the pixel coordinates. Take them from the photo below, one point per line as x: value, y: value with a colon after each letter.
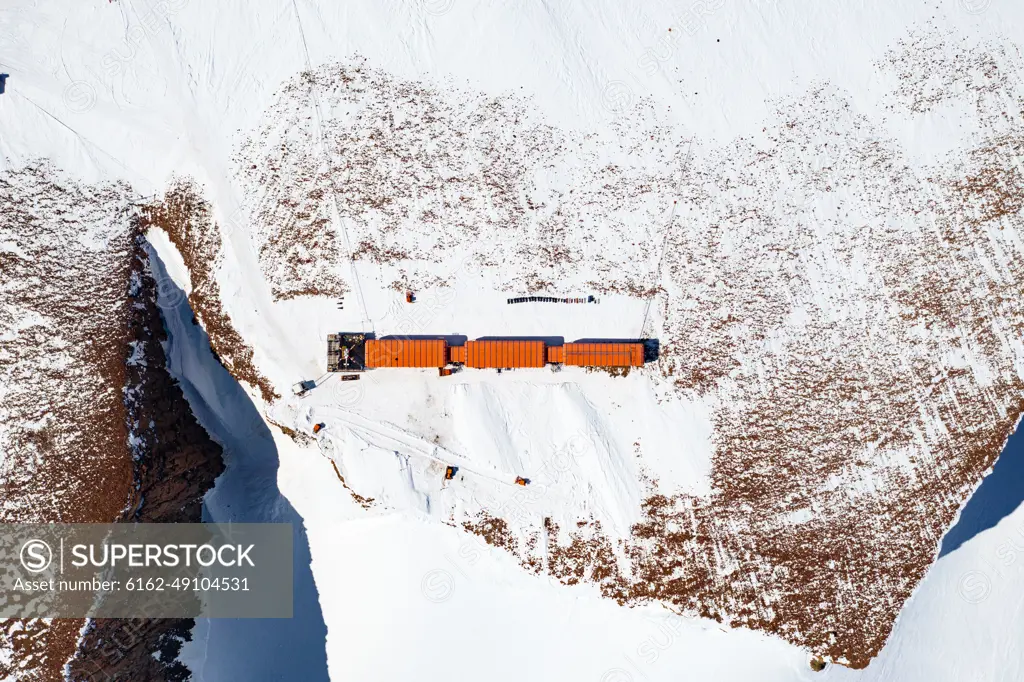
x: 853, y: 312
x: 82, y: 367
x: 63, y: 269
x: 187, y: 219
x: 176, y: 464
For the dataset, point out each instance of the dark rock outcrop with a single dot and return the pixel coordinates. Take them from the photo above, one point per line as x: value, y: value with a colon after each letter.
x: 176, y: 463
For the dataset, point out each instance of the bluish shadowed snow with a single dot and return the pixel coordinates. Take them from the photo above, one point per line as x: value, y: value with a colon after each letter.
x: 242, y: 649
x: 999, y: 494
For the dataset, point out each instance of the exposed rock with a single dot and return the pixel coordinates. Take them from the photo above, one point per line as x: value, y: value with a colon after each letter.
x: 176, y: 463
x: 187, y: 219
x: 65, y: 259
x: 81, y: 368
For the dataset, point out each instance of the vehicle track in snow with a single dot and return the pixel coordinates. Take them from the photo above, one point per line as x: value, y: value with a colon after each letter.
x: 336, y: 219
x: 410, y: 443
x: 664, y: 243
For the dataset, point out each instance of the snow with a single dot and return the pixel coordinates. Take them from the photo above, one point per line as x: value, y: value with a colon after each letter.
x: 575, y: 434
x: 173, y: 266
x: 457, y: 607
x: 247, y: 492
x: 141, y: 90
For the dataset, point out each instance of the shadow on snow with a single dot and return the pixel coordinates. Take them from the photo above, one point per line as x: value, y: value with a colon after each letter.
x: 247, y: 491
x: 999, y: 495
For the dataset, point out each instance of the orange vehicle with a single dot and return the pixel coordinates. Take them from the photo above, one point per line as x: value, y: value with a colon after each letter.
x: 522, y: 481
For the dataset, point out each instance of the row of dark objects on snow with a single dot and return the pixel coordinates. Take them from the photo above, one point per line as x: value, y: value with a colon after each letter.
x: 550, y: 299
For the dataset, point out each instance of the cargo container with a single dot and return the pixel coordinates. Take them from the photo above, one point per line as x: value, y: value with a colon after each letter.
x: 406, y: 353
x: 505, y: 354
x: 603, y: 354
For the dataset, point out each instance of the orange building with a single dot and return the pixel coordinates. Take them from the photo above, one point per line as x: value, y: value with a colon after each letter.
x: 406, y: 353
x: 354, y: 351
x: 502, y: 354
x: 603, y: 354
x: 457, y: 355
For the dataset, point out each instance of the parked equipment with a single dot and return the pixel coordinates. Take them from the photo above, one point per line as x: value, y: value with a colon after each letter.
x: 410, y: 297
x: 552, y: 299
x: 522, y: 481
x: 350, y: 377
x: 345, y: 352
x: 449, y: 472
x: 303, y: 387
x: 444, y: 371
x: 318, y: 428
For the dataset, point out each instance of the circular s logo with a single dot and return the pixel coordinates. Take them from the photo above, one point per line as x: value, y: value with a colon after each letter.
x: 36, y: 556
x: 437, y: 585
x: 974, y: 587
x: 79, y: 97
x: 617, y: 96
x: 975, y: 6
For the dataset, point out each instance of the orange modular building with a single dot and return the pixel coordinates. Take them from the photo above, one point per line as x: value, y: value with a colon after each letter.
x: 353, y: 351
x: 603, y: 354
x: 501, y: 354
x: 457, y: 355
x: 406, y: 353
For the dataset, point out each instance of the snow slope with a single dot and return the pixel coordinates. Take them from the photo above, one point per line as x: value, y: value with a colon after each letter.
x: 576, y: 434
x: 247, y: 492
